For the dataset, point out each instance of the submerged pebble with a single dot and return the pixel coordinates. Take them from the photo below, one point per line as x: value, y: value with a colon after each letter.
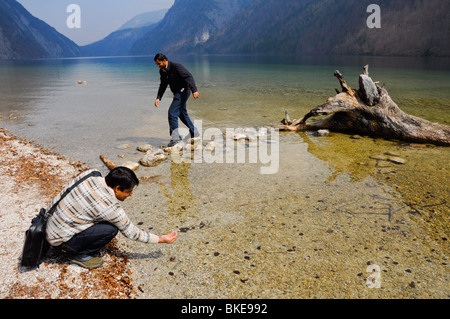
x: 396, y: 160
x: 323, y: 132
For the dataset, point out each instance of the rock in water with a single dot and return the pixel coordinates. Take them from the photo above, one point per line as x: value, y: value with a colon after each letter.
x: 151, y: 159
x: 379, y: 157
x: 177, y: 148
x: 131, y: 165
x: 210, y: 146
x: 145, y: 148
x: 123, y: 146
x: 396, y: 160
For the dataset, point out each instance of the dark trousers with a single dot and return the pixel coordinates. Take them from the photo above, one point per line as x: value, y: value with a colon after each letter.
x: 89, y: 241
x: 178, y: 109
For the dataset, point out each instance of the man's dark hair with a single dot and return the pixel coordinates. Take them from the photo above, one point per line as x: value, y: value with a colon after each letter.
x: 160, y: 57
x: 122, y: 177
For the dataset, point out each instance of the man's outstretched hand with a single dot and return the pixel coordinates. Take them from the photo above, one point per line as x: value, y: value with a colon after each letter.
x: 169, y: 238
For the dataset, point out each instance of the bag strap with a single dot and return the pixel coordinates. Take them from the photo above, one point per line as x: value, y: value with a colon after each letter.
x: 68, y: 190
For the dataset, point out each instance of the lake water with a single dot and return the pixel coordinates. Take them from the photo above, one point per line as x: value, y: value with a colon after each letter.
x: 309, y: 230
x: 47, y: 104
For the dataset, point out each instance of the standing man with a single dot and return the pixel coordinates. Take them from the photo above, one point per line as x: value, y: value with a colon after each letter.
x: 181, y: 84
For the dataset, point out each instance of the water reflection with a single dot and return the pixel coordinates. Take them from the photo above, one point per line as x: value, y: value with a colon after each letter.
x: 421, y: 183
x: 429, y: 63
x: 349, y: 154
x: 180, y: 200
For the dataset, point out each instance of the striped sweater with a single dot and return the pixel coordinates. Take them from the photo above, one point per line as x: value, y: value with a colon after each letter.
x: 90, y: 202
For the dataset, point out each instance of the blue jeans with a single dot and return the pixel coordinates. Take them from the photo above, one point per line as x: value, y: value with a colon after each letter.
x: 178, y: 109
x: 90, y: 241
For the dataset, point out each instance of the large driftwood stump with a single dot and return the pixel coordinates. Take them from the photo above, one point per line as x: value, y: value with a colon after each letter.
x: 369, y: 111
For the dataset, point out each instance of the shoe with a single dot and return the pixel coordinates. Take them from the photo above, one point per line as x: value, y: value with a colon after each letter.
x: 94, y: 262
x: 173, y: 143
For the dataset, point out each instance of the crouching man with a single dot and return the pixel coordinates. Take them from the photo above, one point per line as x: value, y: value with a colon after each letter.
x: 90, y: 216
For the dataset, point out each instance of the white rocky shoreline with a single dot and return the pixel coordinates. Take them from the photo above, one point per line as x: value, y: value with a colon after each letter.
x: 29, y: 178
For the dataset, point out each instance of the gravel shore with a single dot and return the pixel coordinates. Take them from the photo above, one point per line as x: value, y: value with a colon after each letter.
x: 30, y: 177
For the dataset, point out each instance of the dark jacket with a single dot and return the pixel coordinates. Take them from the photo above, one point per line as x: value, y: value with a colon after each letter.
x: 177, y: 77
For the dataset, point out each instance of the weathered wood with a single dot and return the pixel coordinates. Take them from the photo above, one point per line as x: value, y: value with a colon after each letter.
x: 369, y: 111
x: 151, y: 179
x: 110, y: 164
x: 148, y: 179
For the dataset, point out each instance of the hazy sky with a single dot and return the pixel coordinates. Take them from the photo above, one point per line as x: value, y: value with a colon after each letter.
x: 98, y: 17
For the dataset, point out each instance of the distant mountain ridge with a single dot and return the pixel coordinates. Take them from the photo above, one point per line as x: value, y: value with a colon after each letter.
x: 23, y: 36
x: 411, y: 28
x: 408, y: 28
x: 120, y: 42
x: 188, y: 25
x: 144, y: 19
x: 332, y: 27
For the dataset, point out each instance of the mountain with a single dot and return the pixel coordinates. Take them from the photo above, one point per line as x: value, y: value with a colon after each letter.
x: 411, y: 28
x: 144, y: 19
x: 339, y: 27
x: 188, y: 25
x: 22, y: 36
x: 119, y: 43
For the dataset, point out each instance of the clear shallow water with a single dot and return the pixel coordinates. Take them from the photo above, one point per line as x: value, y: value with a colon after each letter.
x: 116, y: 104
x: 327, y: 189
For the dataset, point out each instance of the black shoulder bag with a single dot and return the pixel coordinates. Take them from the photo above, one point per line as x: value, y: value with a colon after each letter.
x: 36, y: 245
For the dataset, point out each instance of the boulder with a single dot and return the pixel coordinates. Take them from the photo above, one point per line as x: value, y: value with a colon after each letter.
x: 131, y: 165
x: 152, y: 159
x: 145, y: 148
